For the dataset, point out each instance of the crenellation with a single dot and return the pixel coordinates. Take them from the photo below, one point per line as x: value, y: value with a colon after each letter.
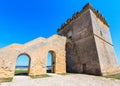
x: 77, y: 14
x: 92, y: 51
x: 83, y: 45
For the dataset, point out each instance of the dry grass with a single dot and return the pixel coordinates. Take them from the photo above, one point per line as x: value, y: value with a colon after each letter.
x: 6, y: 79
x: 40, y: 76
x: 115, y: 76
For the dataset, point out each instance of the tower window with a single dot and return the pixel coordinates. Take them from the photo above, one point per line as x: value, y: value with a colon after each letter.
x: 70, y: 37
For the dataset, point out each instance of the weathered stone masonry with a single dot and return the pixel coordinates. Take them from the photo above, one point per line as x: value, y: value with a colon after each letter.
x: 89, y: 48
x: 37, y: 51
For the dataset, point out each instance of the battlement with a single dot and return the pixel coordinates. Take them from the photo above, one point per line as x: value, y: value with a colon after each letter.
x: 77, y: 14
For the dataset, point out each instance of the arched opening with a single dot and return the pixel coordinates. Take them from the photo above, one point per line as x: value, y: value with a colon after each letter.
x: 84, y: 68
x: 51, y: 62
x: 69, y: 57
x: 22, y: 65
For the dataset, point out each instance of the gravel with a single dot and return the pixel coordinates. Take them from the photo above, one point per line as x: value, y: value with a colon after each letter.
x: 60, y: 80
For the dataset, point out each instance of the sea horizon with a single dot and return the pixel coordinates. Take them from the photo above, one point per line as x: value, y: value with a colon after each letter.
x: 27, y: 66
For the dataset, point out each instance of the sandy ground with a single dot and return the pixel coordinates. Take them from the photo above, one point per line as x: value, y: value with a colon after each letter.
x: 59, y: 80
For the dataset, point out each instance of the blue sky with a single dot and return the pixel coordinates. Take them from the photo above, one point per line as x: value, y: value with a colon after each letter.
x: 25, y: 20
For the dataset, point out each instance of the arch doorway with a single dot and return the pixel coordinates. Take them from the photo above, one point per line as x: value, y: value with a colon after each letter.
x: 51, y: 62
x: 22, y: 65
x: 69, y: 57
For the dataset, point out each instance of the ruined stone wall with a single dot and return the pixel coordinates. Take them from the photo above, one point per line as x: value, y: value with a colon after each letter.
x: 89, y: 48
x: 37, y: 51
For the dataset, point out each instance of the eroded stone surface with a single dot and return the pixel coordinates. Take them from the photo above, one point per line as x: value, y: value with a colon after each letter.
x: 37, y: 51
x: 89, y: 47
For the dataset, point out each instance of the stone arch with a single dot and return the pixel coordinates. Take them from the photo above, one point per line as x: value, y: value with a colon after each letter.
x: 53, y: 61
x: 29, y: 59
x: 69, y: 56
x: 38, y: 49
x: 68, y: 48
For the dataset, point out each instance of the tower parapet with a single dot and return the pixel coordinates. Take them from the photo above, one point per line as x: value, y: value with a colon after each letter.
x: 89, y: 48
x: 77, y: 14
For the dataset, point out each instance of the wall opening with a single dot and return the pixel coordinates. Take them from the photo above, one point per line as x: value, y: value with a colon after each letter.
x: 84, y: 68
x: 22, y: 65
x: 51, y: 62
x: 69, y: 55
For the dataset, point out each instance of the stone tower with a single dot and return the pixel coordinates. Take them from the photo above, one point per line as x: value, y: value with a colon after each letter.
x: 89, y: 48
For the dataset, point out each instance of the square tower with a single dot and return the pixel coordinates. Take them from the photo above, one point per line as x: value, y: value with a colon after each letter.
x: 89, y: 48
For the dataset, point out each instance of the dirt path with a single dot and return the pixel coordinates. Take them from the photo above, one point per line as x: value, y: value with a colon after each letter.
x: 59, y: 80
